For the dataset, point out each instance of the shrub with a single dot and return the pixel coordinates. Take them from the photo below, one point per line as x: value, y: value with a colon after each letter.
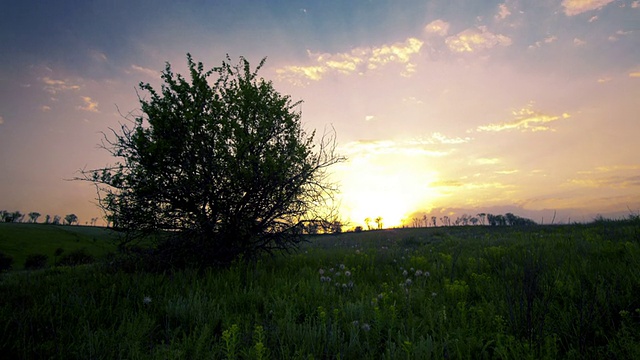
x: 6, y: 262
x: 35, y: 261
x: 77, y: 257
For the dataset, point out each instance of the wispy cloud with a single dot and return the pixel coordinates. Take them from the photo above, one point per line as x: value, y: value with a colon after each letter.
x: 438, y: 138
x: 548, y: 40
x: 1, y: 120
x: 526, y: 119
x: 575, y: 7
x: 144, y: 70
x: 89, y: 105
x: 54, y: 86
x: 438, y: 27
x: 45, y: 108
x: 356, y: 61
x: 387, y: 147
x: 476, y: 39
x: 503, y: 12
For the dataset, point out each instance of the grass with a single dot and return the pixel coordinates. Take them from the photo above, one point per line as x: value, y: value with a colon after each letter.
x: 20, y: 240
x: 466, y: 292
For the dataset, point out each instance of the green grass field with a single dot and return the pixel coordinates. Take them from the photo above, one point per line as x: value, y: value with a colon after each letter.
x: 19, y: 240
x: 543, y: 292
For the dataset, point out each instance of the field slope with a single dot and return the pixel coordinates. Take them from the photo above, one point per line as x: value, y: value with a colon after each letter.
x: 20, y: 240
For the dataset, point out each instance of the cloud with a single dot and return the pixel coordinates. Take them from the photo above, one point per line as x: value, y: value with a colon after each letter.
x: 575, y: 7
x: 579, y: 42
x: 45, y: 108
x: 525, y: 120
x: 1, y: 120
x: 388, y: 147
x: 503, y: 12
x: 475, y: 39
x: 635, y: 4
x: 634, y: 74
x: 438, y: 27
x: 89, y: 105
x: 53, y: 86
x: 357, y: 61
x: 548, y: 40
x: 438, y: 138
x: 487, y: 161
x: 145, y: 71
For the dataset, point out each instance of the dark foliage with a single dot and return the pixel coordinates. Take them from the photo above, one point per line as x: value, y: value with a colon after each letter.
x: 35, y: 261
x: 223, y: 170
x: 6, y: 262
x: 76, y: 257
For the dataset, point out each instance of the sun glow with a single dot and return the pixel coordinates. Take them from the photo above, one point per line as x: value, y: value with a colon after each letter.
x: 391, y: 191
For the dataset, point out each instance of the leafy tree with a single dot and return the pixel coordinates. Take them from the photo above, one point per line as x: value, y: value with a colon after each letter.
x: 222, y: 169
x: 47, y: 219
x: 367, y: 221
x: 378, y: 221
x: 33, y: 216
x: 56, y: 220
x: 70, y: 219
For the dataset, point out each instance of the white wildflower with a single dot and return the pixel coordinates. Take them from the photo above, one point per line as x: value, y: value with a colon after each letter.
x: 321, y: 271
x: 146, y: 300
x: 347, y: 273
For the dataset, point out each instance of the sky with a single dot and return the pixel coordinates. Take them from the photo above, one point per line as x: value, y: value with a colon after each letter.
x: 444, y: 107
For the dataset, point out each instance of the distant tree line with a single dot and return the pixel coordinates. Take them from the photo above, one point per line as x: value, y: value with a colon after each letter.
x: 32, y: 217
x: 508, y: 219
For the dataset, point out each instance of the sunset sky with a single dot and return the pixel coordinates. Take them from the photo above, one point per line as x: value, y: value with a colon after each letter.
x: 442, y: 107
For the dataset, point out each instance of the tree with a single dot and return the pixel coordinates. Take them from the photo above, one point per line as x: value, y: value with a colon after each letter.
x: 33, y: 216
x: 378, y: 221
x: 70, y: 219
x: 367, y: 221
x: 56, y: 220
x: 222, y: 169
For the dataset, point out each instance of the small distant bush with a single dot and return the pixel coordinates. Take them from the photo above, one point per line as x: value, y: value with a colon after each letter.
x: 6, y: 262
x: 35, y: 261
x: 77, y: 257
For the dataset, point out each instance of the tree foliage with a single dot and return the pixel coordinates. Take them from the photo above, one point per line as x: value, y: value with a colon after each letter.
x: 222, y: 167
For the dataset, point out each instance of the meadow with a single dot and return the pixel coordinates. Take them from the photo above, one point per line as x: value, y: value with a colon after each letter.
x: 473, y: 292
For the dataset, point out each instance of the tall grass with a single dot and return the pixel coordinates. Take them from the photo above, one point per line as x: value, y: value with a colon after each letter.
x: 543, y: 292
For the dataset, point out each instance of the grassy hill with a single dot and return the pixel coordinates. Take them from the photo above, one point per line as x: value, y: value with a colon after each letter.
x: 20, y: 240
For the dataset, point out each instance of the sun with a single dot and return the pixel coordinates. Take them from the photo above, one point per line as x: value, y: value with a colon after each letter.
x: 392, y: 193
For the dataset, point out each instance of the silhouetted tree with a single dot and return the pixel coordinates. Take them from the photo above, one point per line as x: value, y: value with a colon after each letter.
x: 70, y: 219
x: 378, y: 221
x: 367, y: 221
x: 433, y: 220
x: 481, y: 216
x: 223, y: 168
x: 56, y: 220
x: 47, y: 219
x: 33, y: 216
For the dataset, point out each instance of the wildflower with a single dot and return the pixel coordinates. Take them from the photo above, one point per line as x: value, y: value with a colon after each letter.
x: 355, y: 323
x: 344, y: 286
x: 321, y: 271
x: 405, y: 273
x: 331, y: 270
x: 412, y: 270
x: 418, y: 273
x: 146, y: 300
x: 323, y: 279
x: 338, y: 274
x: 337, y: 284
x: 380, y: 296
x: 347, y: 273
x: 427, y: 274
x: 358, y: 251
x: 341, y: 266
x: 366, y: 327
x: 327, y: 279
x: 408, y: 282
x: 350, y: 284
x: 433, y: 294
